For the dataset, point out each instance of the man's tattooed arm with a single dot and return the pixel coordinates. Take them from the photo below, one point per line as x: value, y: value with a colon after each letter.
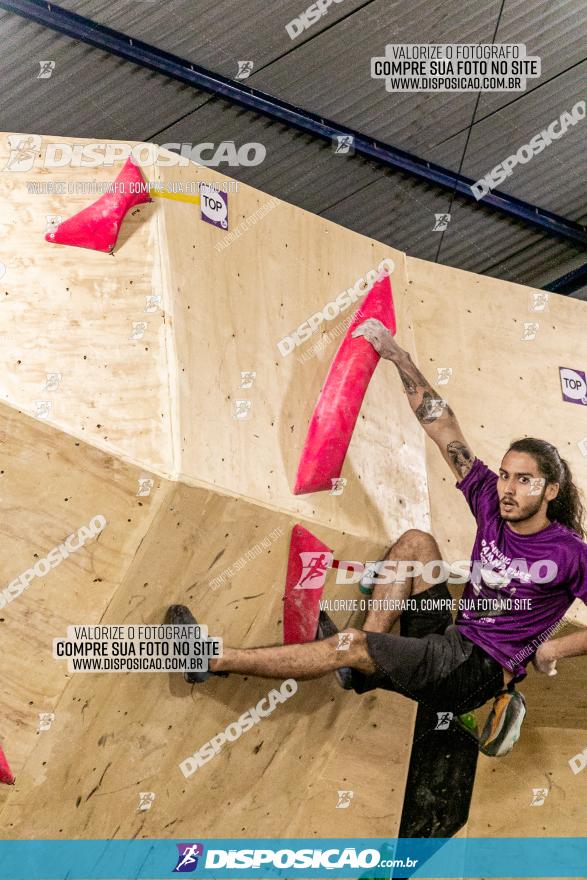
x: 411, y: 375
x: 461, y: 457
x: 435, y: 416
x: 433, y: 413
x: 431, y: 407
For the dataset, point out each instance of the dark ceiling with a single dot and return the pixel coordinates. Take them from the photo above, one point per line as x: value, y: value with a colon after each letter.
x: 326, y: 71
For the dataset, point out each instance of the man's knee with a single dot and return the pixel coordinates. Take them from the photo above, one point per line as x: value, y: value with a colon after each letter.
x: 416, y: 536
x: 421, y: 545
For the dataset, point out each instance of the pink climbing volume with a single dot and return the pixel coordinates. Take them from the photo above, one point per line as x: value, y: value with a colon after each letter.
x: 98, y: 225
x: 5, y: 772
x: 335, y: 414
x: 307, y: 566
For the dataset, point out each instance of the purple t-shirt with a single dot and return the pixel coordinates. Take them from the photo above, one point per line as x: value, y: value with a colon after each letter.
x: 520, y: 586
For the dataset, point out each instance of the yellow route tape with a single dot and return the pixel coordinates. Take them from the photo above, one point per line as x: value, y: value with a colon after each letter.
x: 176, y: 197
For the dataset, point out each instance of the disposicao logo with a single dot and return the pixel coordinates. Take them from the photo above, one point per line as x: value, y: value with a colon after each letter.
x: 187, y: 861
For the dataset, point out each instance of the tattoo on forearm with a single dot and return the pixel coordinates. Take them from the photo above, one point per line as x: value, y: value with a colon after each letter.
x: 461, y: 457
x: 408, y: 382
x: 412, y: 377
x: 431, y: 408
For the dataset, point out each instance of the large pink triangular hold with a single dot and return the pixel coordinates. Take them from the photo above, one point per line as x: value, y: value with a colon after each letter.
x: 5, y: 772
x: 98, y: 225
x: 335, y: 414
x: 308, y: 563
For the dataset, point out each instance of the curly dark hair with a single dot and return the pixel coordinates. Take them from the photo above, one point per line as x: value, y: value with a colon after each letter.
x: 566, y: 508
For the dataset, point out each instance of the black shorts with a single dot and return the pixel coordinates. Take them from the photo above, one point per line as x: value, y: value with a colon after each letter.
x: 431, y: 661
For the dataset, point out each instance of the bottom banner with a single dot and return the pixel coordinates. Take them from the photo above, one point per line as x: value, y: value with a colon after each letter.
x: 293, y: 857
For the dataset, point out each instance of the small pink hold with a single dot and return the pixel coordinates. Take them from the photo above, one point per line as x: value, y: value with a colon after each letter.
x: 97, y: 226
x: 6, y: 775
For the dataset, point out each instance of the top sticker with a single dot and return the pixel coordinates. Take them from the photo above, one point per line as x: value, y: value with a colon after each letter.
x: 573, y: 385
x: 214, y: 206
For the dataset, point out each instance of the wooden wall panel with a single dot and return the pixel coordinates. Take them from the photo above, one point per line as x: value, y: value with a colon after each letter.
x: 233, y: 302
x: 71, y: 311
x: 50, y: 486
x: 118, y: 734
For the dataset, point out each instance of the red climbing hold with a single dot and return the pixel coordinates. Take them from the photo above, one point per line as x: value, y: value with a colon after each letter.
x: 335, y: 414
x: 308, y: 563
x: 98, y: 225
x: 5, y: 772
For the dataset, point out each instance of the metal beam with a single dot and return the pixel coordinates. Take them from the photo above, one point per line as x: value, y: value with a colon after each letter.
x: 570, y: 282
x: 116, y: 43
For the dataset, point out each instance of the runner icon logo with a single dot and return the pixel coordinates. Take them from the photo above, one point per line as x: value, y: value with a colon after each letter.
x: 187, y: 861
x: 444, y: 719
x: 314, y: 568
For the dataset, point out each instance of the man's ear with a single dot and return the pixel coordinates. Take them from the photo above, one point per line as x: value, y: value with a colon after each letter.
x: 552, y: 490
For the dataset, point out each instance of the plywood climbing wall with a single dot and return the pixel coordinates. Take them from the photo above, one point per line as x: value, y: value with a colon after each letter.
x: 146, y: 348
x: 147, y: 358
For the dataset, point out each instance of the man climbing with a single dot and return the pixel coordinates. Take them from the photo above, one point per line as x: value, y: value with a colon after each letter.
x: 529, y: 561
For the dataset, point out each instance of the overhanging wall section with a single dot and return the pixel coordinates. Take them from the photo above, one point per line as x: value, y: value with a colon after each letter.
x: 234, y: 300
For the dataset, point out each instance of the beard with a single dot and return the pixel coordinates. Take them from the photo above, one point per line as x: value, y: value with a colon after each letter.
x: 519, y: 514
